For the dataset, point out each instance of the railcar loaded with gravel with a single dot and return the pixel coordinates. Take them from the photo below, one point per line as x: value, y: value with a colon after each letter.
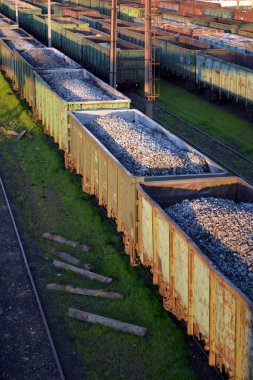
x: 14, y: 33
x: 28, y: 62
x: 57, y: 93
x: 114, y: 150
x: 25, y: 12
x: 196, y: 237
x: 7, y: 48
x: 228, y: 74
x: 6, y: 23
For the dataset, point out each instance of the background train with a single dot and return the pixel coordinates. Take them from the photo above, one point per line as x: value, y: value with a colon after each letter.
x: 224, y: 74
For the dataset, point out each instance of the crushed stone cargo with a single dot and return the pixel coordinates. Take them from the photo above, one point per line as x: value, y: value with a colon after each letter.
x: 21, y: 44
x: 145, y: 151
x: 47, y: 59
x: 223, y: 229
x: 5, y: 22
x: 72, y: 87
x: 12, y: 33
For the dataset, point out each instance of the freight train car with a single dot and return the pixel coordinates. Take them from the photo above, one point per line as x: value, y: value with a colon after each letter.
x: 115, y: 150
x: 27, y: 62
x: 7, y: 56
x: 6, y: 23
x: 176, y: 55
x: 203, y: 291
x: 58, y: 25
x: 229, y: 41
x: 93, y: 46
x: 25, y: 12
x: 58, y: 92
x: 226, y: 74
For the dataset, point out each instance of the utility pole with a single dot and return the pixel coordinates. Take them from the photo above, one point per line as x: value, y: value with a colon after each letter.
x: 16, y: 10
x: 148, y: 59
x: 49, y: 31
x: 113, y: 45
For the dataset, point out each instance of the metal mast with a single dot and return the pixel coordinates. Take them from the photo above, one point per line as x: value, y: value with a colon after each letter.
x: 16, y: 10
x: 49, y: 23
x: 148, y: 58
x: 113, y: 45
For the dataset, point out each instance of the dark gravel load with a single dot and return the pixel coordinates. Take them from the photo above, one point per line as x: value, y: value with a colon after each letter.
x: 145, y: 150
x: 73, y: 87
x: 47, y: 58
x: 223, y: 230
x: 23, y: 44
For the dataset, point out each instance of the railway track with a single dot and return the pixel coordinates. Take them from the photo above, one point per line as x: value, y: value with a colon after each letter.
x: 41, y: 319
x: 234, y: 161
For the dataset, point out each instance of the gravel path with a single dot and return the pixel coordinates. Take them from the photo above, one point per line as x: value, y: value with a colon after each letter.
x: 223, y: 229
x: 24, y: 350
x: 25, y: 44
x: 72, y: 87
x: 47, y: 59
x: 12, y: 33
x: 145, y: 152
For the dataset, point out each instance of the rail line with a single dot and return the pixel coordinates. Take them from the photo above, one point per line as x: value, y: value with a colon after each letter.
x: 234, y: 161
x: 35, y: 292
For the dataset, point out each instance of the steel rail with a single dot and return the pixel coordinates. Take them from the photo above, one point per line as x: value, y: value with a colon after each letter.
x: 225, y: 148
x: 42, y: 314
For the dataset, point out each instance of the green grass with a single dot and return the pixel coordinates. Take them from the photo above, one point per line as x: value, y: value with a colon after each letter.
x: 46, y: 197
x: 218, y: 121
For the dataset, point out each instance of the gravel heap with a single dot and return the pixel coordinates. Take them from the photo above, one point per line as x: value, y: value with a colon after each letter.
x: 144, y: 151
x: 223, y: 230
x: 46, y: 59
x: 72, y: 87
x: 10, y: 33
x: 5, y: 22
x: 23, y: 44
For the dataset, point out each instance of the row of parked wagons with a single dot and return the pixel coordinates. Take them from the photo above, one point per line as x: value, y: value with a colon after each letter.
x: 193, y: 289
x: 221, y: 72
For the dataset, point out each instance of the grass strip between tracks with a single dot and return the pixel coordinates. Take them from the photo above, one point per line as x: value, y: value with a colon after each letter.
x: 218, y: 121
x: 45, y: 197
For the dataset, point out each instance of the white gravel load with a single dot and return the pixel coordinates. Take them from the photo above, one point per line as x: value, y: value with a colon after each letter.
x: 47, y: 58
x: 23, y: 44
x: 12, y: 33
x: 223, y: 230
x: 144, y: 150
x: 73, y: 87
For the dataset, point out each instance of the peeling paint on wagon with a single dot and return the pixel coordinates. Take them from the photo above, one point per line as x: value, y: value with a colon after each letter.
x: 220, y: 314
